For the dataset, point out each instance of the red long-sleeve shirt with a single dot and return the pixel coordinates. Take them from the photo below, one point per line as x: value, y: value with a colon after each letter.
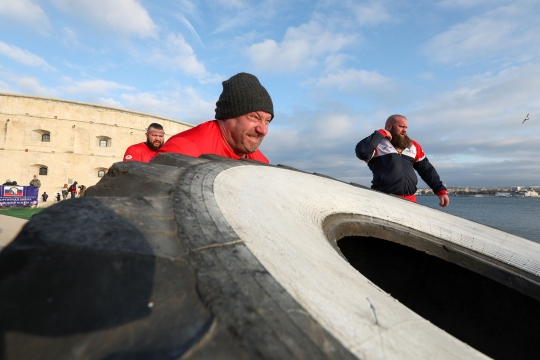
x: 139, y: 152
x: 205, y: 138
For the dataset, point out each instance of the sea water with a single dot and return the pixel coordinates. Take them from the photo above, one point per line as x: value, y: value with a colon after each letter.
x: 516, y: 215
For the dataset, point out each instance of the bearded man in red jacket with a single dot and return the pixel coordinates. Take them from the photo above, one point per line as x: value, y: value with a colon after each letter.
x: 147, y: 150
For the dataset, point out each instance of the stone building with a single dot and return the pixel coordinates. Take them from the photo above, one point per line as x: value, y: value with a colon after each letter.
x: 64, y: 141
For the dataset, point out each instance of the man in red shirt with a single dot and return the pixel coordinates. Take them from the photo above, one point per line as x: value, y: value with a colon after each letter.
x: 146, y: 151
x: 243, y: 112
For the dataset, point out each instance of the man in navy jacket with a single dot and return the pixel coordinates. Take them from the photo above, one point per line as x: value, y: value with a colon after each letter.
x: 393, y: 158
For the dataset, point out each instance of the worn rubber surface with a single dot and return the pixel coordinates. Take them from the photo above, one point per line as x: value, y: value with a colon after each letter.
x: 212, y: 258
x: 144, y: 267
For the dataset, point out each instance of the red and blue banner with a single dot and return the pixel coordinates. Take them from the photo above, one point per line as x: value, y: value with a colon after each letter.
x: 14, y: 195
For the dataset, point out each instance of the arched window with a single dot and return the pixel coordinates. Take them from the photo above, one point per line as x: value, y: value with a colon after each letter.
x: 43, y: 170
x: 101, y: 173
x: 46, y: 138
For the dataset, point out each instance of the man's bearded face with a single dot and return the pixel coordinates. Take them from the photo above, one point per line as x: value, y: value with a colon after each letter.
x: 155, y: 138
x: 399, y: 141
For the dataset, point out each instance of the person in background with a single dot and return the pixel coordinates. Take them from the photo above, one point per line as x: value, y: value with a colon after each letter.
x: 243, y: 112
x: 9, y: 182
x: 44, y: 196
x: 65, y: 192
x: 57, y: 196
x: 146, y: 151
x: 393, y: 157
x: 35, y: 182
x: 82, y: 190
x: 73, y: 190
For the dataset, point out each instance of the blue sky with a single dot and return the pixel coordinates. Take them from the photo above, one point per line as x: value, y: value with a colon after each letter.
x: 464, y: 72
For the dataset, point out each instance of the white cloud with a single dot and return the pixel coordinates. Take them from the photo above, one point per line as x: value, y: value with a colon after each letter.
x: 482, y: 119
x: 32, y: 86
x: 93, y: 87
x: 110, y: 102
x: 302, y: 47
x: 468, y: 3
x: 426, y: 76
x: 333, y: 93
x: 179, y: 55
x: 5, y: 87
x: 246, y: 14
x: 126, y: 17
x: 342, y: 125
x: 321, y: 142
x: 23, y: 56
x: 334, y: 62
x: 69, y: 37
x: 143, y: 101
x: 234, y: 4
x: 515, y: 87
x: 371, y: 14
x: 352, y: 79
x: 190, y: 27
x: 465, y: 41
x: 309, y: 132
x: 187, y: 6
x: 28, y: 85
x: 475, y: 127
x: 184, y: 104
x: 508, y: 31
x: 26, y: 12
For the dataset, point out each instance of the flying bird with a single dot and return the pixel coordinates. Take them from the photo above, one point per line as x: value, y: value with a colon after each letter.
x: 526, y: 118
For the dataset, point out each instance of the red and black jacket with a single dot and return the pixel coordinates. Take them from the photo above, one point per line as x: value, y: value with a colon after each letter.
x: 393, y: 173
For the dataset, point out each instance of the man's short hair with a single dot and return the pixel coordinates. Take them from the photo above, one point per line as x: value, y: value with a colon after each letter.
x: 154, y: 126
x: 392, y: 118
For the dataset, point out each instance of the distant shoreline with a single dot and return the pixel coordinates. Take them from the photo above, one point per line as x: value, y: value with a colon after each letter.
x: 481, y: 194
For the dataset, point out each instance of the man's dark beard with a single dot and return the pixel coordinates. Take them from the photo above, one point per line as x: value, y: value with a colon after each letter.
x: 400, y: 141
x: 151, y: 146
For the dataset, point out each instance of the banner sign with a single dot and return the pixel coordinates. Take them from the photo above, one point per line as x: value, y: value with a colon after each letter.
x: 14, y: 195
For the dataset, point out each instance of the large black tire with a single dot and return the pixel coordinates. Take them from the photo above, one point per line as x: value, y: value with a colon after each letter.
x: 124, y: 273
x: 157, y: 263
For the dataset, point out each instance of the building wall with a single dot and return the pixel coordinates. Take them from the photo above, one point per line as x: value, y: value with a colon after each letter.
x: 75, y: 130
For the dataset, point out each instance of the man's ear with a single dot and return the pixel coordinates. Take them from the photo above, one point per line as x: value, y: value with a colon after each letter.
x: 388, y: 126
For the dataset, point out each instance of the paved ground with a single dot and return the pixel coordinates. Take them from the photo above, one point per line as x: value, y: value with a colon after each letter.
x: 9, y: 228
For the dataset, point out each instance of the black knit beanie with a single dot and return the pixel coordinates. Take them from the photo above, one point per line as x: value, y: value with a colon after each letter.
x: 242, y: 94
